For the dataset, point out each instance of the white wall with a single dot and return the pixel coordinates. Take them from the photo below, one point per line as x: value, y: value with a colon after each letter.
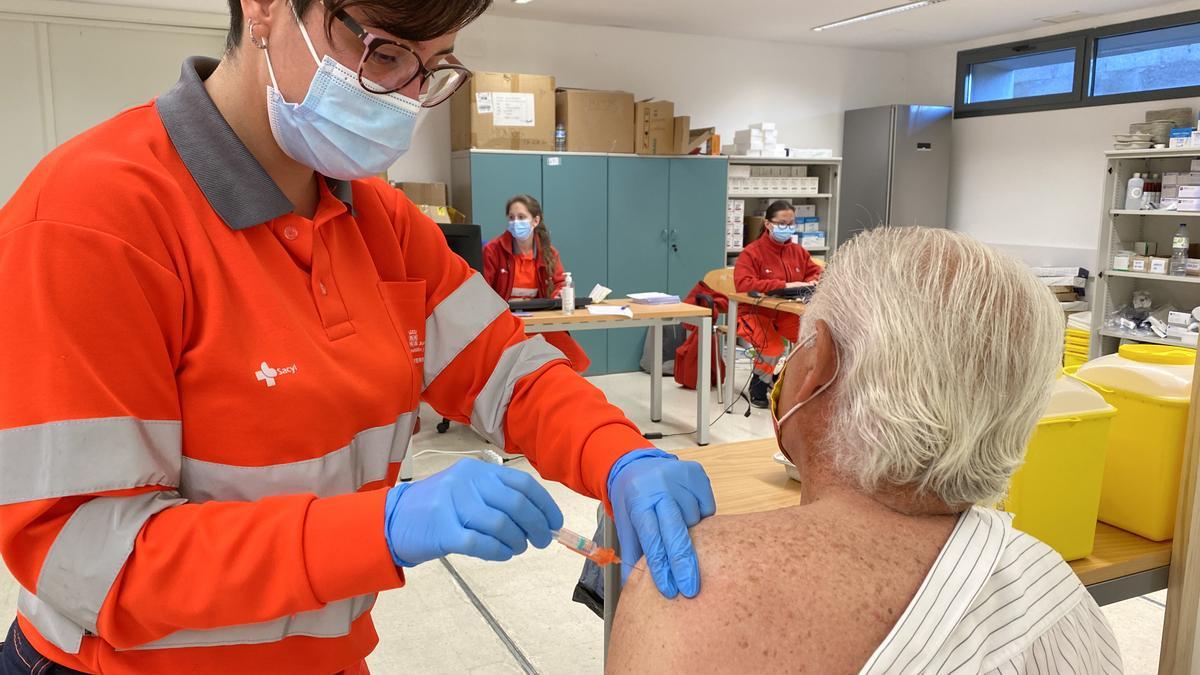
x: 63, y: 75
x: 719, y: 82
x: 1032, y: 182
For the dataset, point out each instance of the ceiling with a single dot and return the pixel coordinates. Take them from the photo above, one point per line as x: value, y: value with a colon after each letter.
x: 949, y: 22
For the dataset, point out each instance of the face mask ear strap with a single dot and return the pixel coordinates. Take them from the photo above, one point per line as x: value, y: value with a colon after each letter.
x: 304, y: 32
x: 837, y: 369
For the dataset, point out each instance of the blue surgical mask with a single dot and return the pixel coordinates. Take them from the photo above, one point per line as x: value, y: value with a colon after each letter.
x: 783, y: 233
x: 520, y: 229
x: 341, y: 130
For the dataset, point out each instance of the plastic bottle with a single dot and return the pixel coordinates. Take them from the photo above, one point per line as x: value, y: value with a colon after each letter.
x: 560, y: 138
x: 1133, y: 193
x: 1179, y: 252
x: 568, y: 290
x: 1150, y: 192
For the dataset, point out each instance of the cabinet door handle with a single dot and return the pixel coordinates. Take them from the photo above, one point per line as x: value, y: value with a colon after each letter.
x: 664, y: 234
x: 675, y: 240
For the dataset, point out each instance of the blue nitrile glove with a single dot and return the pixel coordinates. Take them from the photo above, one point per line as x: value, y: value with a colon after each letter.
x: 472, y: 508
x: 655, y: 499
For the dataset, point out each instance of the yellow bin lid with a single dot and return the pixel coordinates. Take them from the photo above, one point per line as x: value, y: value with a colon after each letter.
x: 1149, y: 370
x: 1072, y: 397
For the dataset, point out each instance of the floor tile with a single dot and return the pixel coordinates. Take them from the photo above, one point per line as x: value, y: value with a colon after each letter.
x: 1138, y: 625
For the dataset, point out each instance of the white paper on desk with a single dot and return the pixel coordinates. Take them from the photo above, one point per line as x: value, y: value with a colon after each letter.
x: 609, y: 310
x: 599, y: 293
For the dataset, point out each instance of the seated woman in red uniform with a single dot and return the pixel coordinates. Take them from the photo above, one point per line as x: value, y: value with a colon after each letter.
x: 772, y: 262
x: 521, y: 264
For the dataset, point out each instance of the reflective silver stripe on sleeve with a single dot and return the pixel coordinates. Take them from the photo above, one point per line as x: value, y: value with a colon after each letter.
x: 50, y: 623
x: 331, y: 621
x: 457, y: 321
x: 90, y: 550
x: 364, y: 460
x: 519, y: 360
x: 79, y: 457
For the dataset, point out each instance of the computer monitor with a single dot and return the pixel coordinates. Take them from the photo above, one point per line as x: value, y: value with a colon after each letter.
x: 467, y: 242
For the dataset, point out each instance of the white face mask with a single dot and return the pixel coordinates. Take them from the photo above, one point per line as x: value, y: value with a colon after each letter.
x: 340, y: 130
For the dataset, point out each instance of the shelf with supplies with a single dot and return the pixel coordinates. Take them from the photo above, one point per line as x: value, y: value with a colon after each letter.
x: 1169, y: 214
x: 1153, y: 277
x: 769, y: 195
x: 1148, y: 339
x: 817, y: 202
x: 1128, y: 234
x: 1160, y: 153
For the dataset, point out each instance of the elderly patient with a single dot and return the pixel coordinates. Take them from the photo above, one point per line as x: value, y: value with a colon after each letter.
x: 924, y: 362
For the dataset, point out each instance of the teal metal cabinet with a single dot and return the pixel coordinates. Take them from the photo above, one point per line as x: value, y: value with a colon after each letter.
x: 696, y: 240
x: 637, y: 242
x: 630, y: 223
x: 575, y: 199
x: 496, y: 178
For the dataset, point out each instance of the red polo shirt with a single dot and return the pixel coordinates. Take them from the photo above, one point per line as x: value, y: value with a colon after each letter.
x: 206, y: 395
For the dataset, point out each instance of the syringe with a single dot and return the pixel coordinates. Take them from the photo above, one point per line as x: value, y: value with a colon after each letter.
x: 586, y: 547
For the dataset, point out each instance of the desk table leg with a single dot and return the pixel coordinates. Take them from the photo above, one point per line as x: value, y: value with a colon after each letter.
x: 704, y: 384
x: 730, y: 352
x: 612, y: 581
x: 656, y: 374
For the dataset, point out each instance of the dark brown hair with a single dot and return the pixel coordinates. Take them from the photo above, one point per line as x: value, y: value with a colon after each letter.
x: 778, y: 207
x: 415, y: 20
x: 543, y: 236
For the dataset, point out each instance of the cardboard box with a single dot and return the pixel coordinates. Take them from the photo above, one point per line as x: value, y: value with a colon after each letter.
x: 806, y: 210
x: 1189, y: 178
x: 596, y: 121
x: 1159, y: 265
x: 439, y: 214
x: 1121, y: 262
x: 754, y: 228
x: 683, y: 137
x: 654, y: 127
x: 1139, y: 263
x: 504, y: 111
x: 428, y: 194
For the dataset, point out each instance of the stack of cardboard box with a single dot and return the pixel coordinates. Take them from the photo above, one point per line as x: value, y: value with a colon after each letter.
x: 511, y: 111
x: 430, y: 198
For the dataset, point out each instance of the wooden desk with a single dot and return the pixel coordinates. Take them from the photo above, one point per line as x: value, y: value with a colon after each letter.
x: 746, y: 479
x: 778, y: 304
x: 654, y: 317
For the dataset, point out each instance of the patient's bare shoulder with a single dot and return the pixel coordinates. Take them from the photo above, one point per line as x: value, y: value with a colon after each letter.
x: 740, y: 571
x: 783, y: 587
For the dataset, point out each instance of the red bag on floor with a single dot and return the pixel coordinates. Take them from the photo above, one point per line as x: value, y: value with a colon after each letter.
x: 686, y: 373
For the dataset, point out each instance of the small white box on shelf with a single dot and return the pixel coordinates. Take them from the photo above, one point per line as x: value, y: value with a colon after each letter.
x: 1171, y: 192
x: 1189, y: 205
x: 739, y: 170
x: 1179, y: 318
x: 1171, y: 178
x: 1159, y: 265
x: 1189, y: 192
x: 1191, y: 178
x: 806, y: 210
x: 1196, y: 165
x: 1121, y: 261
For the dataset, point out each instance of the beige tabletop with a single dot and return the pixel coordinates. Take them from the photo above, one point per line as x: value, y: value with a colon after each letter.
x: 766, y: 302
x: 746, y: 479
x: 679, y: 310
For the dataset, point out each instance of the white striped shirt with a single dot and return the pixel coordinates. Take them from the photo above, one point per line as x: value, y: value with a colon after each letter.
x: 998, y: 601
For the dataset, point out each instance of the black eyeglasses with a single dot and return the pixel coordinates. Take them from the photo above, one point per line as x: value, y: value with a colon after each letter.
x: 388, y: 66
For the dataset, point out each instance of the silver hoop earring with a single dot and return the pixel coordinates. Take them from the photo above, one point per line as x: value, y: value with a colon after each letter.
x: 260, y: 43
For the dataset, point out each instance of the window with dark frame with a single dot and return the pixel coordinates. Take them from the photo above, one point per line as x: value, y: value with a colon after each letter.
x: 1147, y: 60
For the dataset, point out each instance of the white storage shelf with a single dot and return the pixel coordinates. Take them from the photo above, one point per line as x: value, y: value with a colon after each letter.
x: 828, y: 173
x: 1120, y: 228
x: 1156, y: 214
x: 1154, y: 277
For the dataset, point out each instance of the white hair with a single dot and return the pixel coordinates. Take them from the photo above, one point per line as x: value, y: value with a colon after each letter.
x: 949, y: 350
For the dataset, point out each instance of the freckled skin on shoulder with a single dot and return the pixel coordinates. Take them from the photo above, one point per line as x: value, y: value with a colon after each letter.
x: 779, y: 591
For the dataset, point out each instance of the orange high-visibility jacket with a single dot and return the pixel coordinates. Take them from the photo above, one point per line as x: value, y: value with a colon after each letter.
x: 203, y: 397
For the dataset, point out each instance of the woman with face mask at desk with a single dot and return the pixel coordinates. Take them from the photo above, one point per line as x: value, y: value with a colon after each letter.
x: 768, y: 264
x: 521, y: 264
